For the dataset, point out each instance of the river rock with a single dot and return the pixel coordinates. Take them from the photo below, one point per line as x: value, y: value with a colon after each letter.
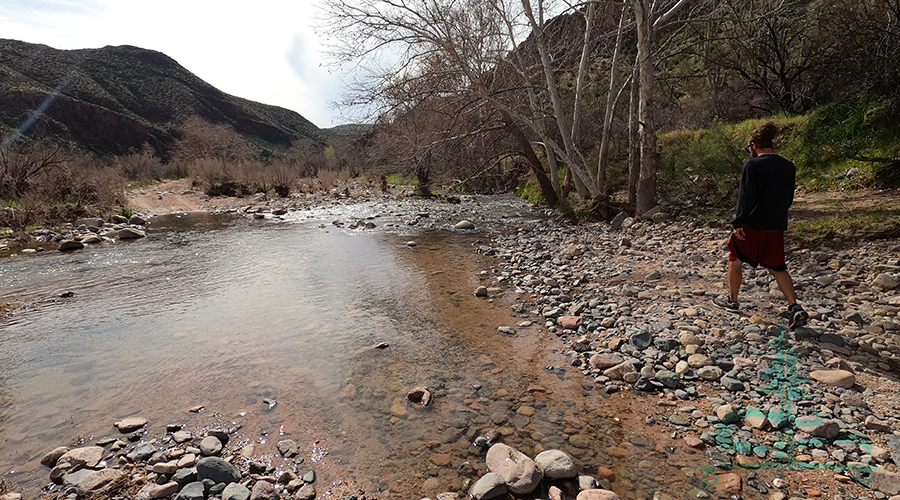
x: 603, y: 361
x: 237, y: 491
x: 520, y: 472
x: 129, y: 233
x: 100, y: 482
x: 181, y: 436
x: 210, y: 446
x: 218, y: 470
x: 185, y: 476
x: 86, y: 456
x: 464, y: 224
x: 264, y: 490
x: 710, y: 373
x: 69, y: 245
x: 872, y: 423
x: 570, y: 322
x: 641, y: 340
x: 834, y: 378
x: 729, y: 484
x: 137, y: 220
x: 668, y: 378
x: 597, y: 494
x: 164, y: 490
x: 130, y: 424
x: 619, y: 371
x: 727, y: 414
x: 698, y: 361
x: 481, y: 291
x: 192, y: 491
x: 142, y: 452
x: 555, y: 464
x: 306, y: 492
x: 288, y: 448
x: 491, y: 485
x: 818, y: 427
x: 50, y: 459
x: 885, y: 481
x: 886, y: 281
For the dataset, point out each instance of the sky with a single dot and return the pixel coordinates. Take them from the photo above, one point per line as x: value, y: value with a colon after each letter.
x: 263, y: 50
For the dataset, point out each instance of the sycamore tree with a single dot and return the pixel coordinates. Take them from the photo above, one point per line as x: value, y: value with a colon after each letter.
x: 527, y: 67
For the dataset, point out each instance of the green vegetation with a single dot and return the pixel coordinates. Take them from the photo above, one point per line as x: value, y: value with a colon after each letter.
x: 400, y: 180
x: 865, y: 220
x: 704, y: 166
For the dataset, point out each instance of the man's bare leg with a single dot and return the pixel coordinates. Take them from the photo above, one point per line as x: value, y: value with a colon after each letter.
x: 735, y: 278
x: 786, y: 284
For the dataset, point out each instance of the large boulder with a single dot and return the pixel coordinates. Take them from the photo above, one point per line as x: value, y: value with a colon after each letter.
x: 218, y: 470
x: 521, y: 474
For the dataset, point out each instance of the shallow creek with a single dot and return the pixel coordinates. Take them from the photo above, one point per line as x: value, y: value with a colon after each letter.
x: 224, y: 312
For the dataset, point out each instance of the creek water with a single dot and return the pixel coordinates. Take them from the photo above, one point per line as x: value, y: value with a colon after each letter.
x: 225, y: 312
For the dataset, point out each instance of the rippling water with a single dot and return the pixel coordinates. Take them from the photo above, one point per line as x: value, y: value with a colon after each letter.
x: 225, y: 311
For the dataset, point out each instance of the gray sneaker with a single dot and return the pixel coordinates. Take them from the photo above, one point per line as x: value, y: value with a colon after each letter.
x: 727, y: 304
x: 797, y: 315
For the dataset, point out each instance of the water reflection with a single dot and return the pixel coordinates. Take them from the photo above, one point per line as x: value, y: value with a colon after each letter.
x: 226, y: 312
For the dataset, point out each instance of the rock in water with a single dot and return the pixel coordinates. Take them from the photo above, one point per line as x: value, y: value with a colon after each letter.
x: 218, y: 470
x: 130, y: 424
x: 69, y: 245
x: 491, y: 485
x: 127, y: 233
x: 555, y: 464
x: 464, y: 224
x: 520, y: 472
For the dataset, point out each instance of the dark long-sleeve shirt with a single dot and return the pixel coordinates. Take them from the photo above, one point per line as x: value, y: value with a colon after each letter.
x: 766, y: 193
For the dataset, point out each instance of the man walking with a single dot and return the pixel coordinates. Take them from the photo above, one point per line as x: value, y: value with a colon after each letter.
x: 766, y: 193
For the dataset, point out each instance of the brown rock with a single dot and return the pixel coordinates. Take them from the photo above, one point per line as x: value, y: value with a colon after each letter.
x: 729, y: 484
x: 597, y: 495
x: 130, y: 424
x: 164, y: 490
x: 570, y: 322
x: 164, y: 468
x: 520, y: 472
x: 86, y: 456
x: 885, y: 482
x: 834, y: 378
x: 698, y: 360
x: 688, y: 338
x: 838, y: 364
x: 440, y: 459
x: 604, y: 361
x: 307, y: 492
x: 264, y: 490
x: 694, y: 442
x: 50, y: 459
x: 605, y: 473
x: 618, y: 372
x: 874, y: 424
x: 101, y: 482
x: 555, y: 493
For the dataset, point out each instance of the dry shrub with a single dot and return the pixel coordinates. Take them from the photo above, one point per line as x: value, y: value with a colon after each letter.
x: 281, y: 178
x: 327, y: 179
x: 140, y: 166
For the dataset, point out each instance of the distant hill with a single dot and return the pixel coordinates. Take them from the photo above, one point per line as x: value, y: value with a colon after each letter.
x: 115, y: 99
x: 349, y: 131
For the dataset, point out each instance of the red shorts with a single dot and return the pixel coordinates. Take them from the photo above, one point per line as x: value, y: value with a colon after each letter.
x: 759, y: 248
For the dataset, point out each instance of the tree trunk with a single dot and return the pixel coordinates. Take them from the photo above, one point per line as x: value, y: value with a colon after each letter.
x: 632, y: 139
x: 534, y: 162
x: 646, y: 187
x: 603, y: 156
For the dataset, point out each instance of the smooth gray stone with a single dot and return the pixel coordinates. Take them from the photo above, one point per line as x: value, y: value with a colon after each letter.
x: 218, y: 470
x: 192, y: 491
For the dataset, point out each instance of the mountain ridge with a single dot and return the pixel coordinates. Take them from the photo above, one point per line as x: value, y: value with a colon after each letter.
x: 115, y: 99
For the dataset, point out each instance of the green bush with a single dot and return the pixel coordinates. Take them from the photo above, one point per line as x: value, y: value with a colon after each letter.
x: 702, y: 165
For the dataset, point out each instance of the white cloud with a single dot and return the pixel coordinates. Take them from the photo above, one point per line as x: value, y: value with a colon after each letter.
x: 264, y: 50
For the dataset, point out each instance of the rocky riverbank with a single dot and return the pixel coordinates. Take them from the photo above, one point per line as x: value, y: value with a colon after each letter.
x: 633, y: 308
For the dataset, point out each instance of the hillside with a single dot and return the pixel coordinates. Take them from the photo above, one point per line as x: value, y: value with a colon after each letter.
x: 115, y: 99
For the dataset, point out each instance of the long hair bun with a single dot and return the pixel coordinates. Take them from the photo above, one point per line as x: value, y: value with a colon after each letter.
x: 764, y: 134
